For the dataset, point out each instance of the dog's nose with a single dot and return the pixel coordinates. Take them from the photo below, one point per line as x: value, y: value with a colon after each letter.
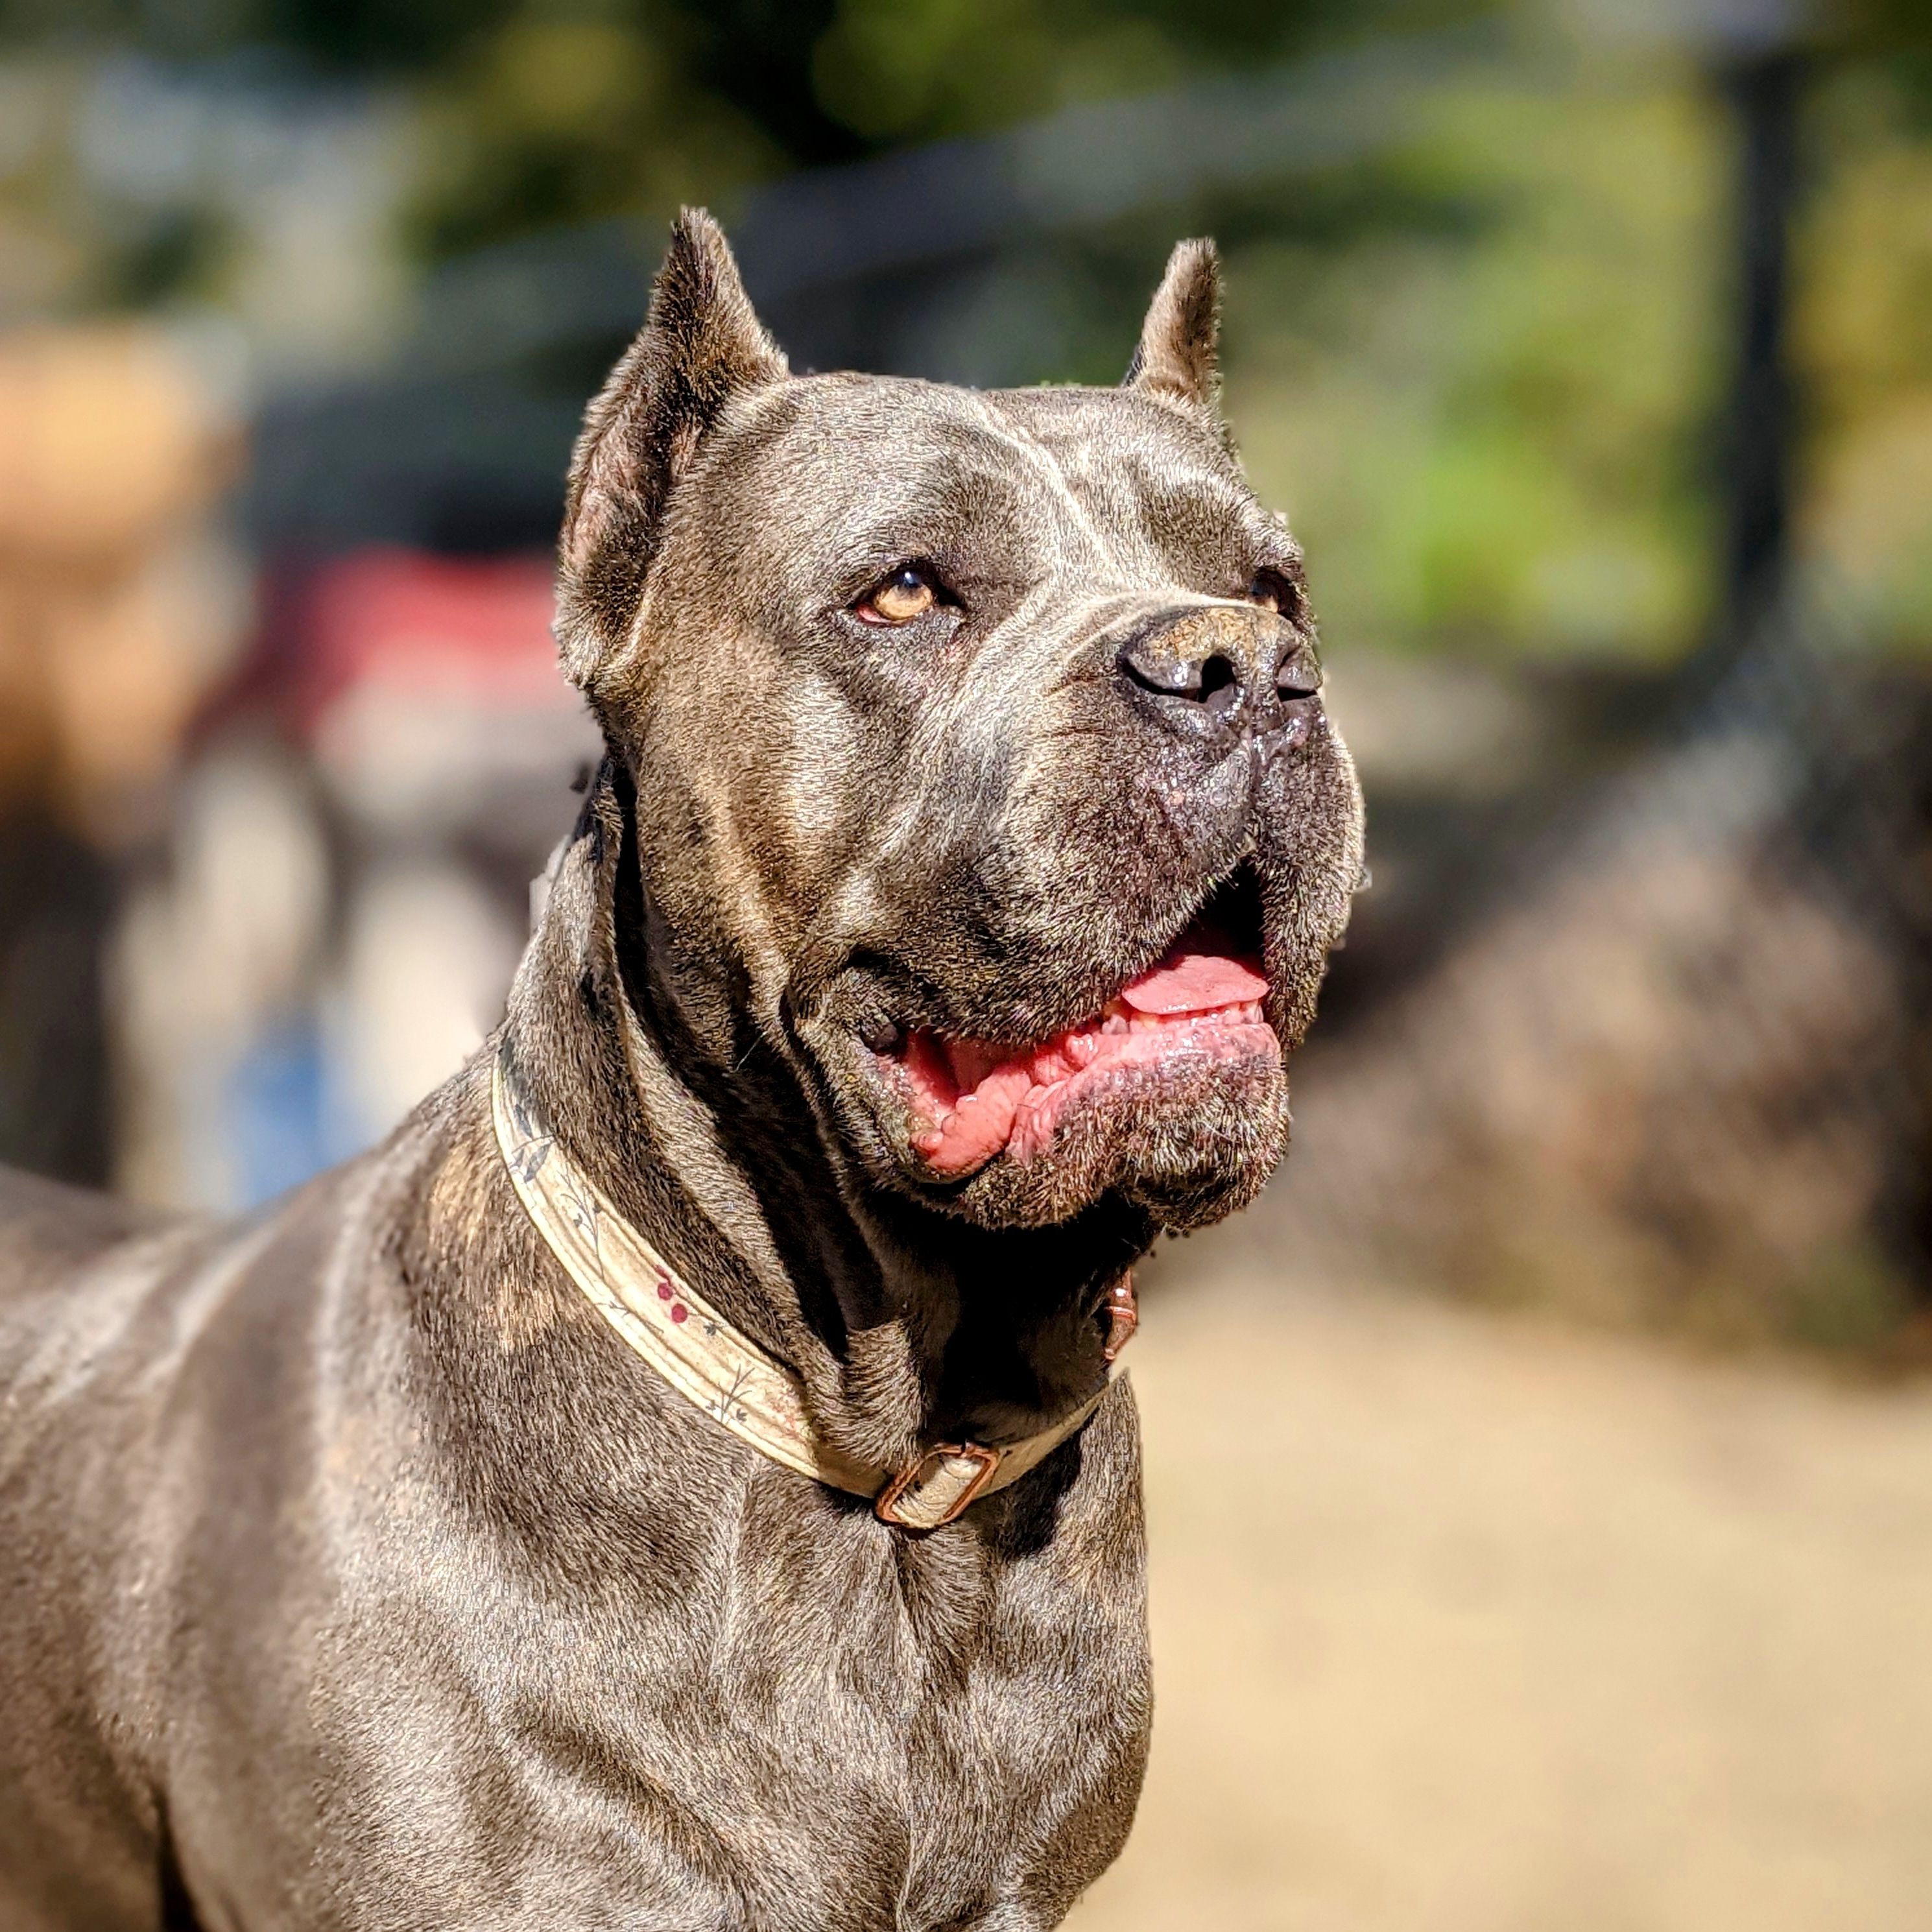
x: 1220, y: 664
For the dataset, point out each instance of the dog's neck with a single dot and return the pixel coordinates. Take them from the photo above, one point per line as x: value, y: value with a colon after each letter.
x: 906, y: 1325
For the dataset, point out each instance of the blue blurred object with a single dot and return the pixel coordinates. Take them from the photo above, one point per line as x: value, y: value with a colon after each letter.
x: 285, y: 1120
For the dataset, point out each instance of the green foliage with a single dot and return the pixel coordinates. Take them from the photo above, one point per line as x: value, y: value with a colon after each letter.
x: 1478, y: 369
x: 1864, y: 332
x: 547, y: 110
x: 1490, y: 437
x: 554, y: 118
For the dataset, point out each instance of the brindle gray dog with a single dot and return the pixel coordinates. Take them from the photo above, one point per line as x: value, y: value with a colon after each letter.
x: 357, y: 1575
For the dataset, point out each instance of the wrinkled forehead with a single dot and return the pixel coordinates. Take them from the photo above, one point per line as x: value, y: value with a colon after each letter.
x: 848, y: 474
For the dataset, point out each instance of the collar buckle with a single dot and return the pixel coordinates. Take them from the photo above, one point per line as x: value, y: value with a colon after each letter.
x: 934, y: 1488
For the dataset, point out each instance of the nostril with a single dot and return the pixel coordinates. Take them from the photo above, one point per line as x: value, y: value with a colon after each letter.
x: 1298, y: 675
x: 1214, y: 681
x: 1219, y: 684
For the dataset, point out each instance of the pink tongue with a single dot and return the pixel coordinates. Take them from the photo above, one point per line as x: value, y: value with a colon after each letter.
x: 1189, y: 982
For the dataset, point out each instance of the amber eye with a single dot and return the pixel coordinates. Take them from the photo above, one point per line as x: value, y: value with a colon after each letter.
x: 906, y: 594
x: 1272, y: 591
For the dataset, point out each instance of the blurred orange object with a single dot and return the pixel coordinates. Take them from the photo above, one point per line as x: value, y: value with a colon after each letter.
x: 116, y: 610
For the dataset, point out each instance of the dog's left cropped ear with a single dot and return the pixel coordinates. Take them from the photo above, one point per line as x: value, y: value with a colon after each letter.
x: 1179, y: 356
x: 701, y: 345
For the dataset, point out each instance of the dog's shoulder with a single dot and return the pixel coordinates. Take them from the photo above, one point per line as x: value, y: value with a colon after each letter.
x: 48, y: 1228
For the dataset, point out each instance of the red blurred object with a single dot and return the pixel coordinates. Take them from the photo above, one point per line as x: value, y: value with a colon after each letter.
x: 423, y: 625
x: 425, y: 691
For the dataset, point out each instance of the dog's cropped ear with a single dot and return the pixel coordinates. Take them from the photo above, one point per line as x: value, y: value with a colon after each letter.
x: 701, y: 345
x: 1179, y: 357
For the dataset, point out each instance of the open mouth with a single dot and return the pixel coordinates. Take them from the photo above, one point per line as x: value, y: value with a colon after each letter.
x: 1199, y: 1002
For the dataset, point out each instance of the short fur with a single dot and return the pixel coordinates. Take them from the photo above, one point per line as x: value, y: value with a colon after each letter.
x: 357, y: 1575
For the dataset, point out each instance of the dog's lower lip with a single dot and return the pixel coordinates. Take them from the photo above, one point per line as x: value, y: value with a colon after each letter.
x: 968, y: 1100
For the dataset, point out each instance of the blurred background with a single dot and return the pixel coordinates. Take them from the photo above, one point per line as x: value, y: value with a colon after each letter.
x: 1542, y: 1473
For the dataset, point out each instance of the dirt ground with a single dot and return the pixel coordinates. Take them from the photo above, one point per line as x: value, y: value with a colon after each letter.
x: 1466, y: 1624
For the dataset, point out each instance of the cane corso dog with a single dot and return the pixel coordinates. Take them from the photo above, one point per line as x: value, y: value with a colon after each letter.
x: 960, y: 874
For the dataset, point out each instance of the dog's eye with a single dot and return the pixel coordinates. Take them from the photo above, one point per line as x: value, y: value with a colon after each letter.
x: 906, y: 594
x: 1273, y: 591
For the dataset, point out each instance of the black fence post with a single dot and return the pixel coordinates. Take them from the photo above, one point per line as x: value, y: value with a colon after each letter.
x: 1765, y: 86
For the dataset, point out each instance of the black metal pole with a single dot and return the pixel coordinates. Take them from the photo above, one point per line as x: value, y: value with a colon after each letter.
x: 1765, y: 89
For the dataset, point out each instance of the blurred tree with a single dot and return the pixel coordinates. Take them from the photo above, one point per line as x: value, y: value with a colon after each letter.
x: 1898, y: 33
x: 552, y: 117
x: 542, y: 111
x: 1481, y: 366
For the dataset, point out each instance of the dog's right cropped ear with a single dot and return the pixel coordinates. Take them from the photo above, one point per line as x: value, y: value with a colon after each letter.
x: 701, y: 345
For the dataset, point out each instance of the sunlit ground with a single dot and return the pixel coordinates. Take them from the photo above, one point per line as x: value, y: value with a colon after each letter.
x: 1465, y: 1624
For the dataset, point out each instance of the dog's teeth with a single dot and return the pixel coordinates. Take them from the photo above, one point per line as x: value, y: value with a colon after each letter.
x: 1114, y: 1023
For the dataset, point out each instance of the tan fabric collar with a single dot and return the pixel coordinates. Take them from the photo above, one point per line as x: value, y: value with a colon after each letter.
x: 722, y: 1372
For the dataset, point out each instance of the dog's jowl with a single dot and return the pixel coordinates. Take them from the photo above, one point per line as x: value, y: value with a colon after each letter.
x: 681, y: 1479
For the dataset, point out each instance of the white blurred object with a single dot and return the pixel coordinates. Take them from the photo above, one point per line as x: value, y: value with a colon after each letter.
x: 427, y: 958
x: 341, y: 908
x: 208, y: 956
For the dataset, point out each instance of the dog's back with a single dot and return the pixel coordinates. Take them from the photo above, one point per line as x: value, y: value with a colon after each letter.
x: 187, y: 1444
x: 74, y: 1267
x: 47, y: 1231
x: 125, y: 1335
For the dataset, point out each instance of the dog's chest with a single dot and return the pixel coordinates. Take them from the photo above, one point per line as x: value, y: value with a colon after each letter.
x: 894, y: 1775
x: 794, y: 1745
x: 1015, y: 1787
